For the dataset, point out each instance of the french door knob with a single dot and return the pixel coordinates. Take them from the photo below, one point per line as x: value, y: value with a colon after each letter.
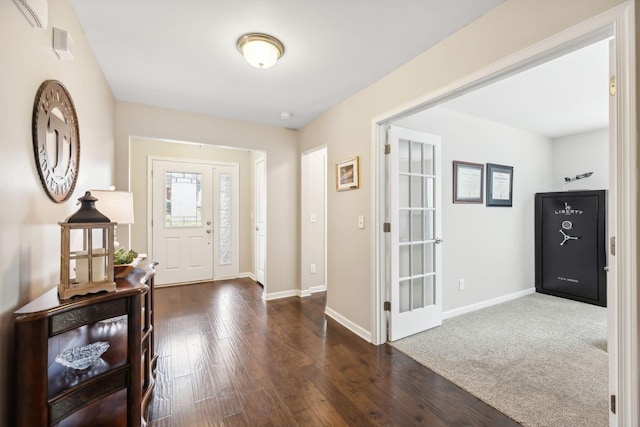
x: 438, y: 241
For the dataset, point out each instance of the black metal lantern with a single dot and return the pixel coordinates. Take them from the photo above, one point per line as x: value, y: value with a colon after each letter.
x: 86, y: 251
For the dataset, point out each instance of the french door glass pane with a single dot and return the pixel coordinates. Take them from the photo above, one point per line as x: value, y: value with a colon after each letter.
x: 429, y: 290
x: 405, y: 260
x: 429, y: 258
x: 404, y: 226
x: 418, y: 293
x: 416, y: 191
x: 429, y: 192
x: 416, y: 158
x: 427, y: 159
x: 417, y: 229
x: 417, y: 260
x: 405, y: 295
x: 429, y: 225
x: 404, y: 191
x: 403, y: 156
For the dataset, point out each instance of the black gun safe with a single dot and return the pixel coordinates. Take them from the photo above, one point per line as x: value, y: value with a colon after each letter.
x: 571, y: 245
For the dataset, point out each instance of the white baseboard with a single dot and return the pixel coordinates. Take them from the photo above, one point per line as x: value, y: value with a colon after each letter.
x: 247, y: 274
x: 283, y: 294
x: 359, y: 331
x: 316, y: 289
x: 484, y: 304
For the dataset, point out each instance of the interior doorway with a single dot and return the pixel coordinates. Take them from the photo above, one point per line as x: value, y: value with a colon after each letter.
x: 621, y: 172
x: 260, y: 245
x: 142, y: 152
x: 313, y: 208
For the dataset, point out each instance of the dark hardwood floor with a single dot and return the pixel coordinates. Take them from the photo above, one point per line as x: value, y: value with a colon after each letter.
x: 228, y: 358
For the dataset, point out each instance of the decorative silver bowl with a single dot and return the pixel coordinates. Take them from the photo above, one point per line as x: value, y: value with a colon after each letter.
x: 83, y: 357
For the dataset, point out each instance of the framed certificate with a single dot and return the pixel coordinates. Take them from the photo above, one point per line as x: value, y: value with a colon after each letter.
x: 499, y: 185
x: 467, y: 182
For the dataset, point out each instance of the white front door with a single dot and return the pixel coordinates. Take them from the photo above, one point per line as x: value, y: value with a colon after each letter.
x: 416, y: 282
x: 261, y: 221
x: 182, y: 221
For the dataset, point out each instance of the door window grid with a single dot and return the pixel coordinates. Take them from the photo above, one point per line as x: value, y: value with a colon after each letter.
x: 416, y: 225
x: 183, y: 199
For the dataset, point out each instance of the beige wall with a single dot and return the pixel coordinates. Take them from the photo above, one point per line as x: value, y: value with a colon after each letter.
x: 29, y: 234
x: 347, y: 128
x: 593, y: 147
x: 142, y: 148
x: 281, y: 150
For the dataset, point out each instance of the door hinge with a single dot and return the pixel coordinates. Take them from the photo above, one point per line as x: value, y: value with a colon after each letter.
x: 387, y: 306
x: 387, y: 149
x: 613, y: 403
x: 612, y: 245
x: 386, y: 227
x: 612, y: 86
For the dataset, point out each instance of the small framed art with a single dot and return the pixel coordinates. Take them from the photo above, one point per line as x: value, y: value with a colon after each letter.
x: 467, y: 182
x: 348, y: 174
x: 499, y: 185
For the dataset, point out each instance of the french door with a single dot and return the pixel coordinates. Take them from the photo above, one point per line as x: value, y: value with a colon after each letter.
x: 414, y: 171
x: 194, y: 227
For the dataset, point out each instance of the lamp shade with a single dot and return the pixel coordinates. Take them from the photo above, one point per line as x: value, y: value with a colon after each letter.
x: 116, y: 205
x: 260, y: 50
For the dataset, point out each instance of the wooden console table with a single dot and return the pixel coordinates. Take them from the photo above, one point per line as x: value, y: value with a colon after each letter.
x: 116, y: 390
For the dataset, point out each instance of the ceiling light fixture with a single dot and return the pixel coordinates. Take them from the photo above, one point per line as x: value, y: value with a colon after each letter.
x: 260, y: 50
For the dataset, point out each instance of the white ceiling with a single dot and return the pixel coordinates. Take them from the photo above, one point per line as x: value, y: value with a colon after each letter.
x: 565, y: 96
x: 181, y: 54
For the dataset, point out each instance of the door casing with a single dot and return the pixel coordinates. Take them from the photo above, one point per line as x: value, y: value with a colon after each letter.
x: 618, y: 21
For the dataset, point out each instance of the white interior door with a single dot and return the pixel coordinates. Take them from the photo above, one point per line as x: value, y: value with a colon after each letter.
x: 225, y: 221
x: 261, y: 221
x: 416, y: 283
x: 182, y: 221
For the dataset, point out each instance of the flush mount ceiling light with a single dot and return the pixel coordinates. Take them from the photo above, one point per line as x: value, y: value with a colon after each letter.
x: 260, y: 50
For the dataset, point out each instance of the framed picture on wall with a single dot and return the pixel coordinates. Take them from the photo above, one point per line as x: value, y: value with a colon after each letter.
x: 467, y: 182
x: 499, y: 185
x: 348, y: 174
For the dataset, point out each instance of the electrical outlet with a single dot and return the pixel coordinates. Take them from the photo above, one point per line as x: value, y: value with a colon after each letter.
x: 461, y: 284
x: 312, y: 269
x: 361, y: 222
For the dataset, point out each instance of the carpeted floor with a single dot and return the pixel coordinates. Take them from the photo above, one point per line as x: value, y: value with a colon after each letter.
x: 539, y: 359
